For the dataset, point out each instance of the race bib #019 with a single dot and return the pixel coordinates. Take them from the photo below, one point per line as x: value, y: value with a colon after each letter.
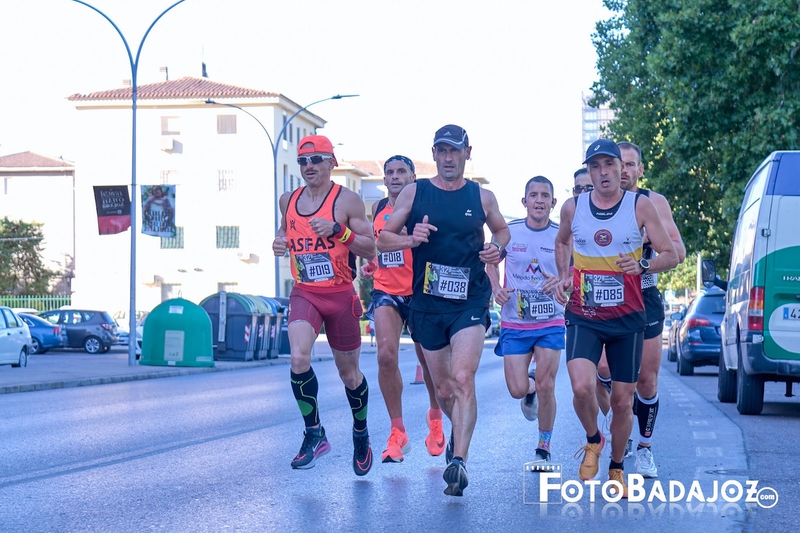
x: 314, y: 268
x: 601, y: 290
x: 446, y: 281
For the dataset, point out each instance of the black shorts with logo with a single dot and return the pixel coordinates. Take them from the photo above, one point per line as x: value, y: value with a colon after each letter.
x: 654, y: 308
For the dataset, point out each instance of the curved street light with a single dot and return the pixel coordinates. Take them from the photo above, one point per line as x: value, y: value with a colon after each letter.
x: 274, y: 145
x: 134, y: 90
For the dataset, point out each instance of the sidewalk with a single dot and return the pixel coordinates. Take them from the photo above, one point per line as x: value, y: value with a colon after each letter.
x: 73, y: 368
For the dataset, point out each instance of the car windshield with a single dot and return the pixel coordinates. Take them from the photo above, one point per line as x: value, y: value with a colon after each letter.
x: 711, y: 305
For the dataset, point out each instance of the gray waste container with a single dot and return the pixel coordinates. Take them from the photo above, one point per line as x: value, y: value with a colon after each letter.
x: 235, y: 319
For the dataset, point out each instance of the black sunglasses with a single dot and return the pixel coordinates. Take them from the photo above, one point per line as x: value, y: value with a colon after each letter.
x: 314, y: 159
x: 578, y: 189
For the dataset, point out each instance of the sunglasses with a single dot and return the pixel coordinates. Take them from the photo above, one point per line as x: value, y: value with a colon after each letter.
x: 312, y: 160
x: 578, y: 189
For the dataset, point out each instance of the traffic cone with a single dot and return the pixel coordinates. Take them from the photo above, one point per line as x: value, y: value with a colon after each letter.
x: 418, y: 379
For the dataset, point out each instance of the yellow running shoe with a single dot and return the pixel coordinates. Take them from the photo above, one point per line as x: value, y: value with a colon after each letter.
x: 591, y: 454
x: 618, y: 475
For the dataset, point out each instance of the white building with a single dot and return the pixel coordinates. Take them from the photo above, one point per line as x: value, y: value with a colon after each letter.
x: 221, y: 162
x: 594, y: 121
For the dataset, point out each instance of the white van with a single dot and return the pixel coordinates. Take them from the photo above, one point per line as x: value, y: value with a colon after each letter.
x: 761, y: 328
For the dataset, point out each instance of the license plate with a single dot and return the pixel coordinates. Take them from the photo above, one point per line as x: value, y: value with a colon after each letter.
x: 791, y: 312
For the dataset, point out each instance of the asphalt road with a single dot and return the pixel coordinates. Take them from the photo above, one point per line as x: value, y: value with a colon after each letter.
x: 211, y: 452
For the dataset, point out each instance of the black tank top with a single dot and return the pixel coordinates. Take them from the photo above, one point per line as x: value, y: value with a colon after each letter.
x: 459, y: 217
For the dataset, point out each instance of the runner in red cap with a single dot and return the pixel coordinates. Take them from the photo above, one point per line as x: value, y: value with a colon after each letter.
x: 324, y: 227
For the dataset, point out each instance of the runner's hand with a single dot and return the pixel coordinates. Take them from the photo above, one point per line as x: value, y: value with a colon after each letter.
x: 490, y: 254
x: 368, y: 269
x: 322, y: 227
x: 628, y: 264
x: 422, y: 231
x: 279, y: 246
x: 503, y: 295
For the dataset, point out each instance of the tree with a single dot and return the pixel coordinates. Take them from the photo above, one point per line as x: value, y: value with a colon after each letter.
x: 21, y: 268
x: 707, y: 88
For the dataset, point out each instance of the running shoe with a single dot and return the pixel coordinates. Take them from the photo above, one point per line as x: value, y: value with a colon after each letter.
x: 456, y: 477
x: 591, y: 454
x: 618, y: 475
x: 362, y: 454
x: 542, y: 455
x: 448, y: 454
x: 530, y: 403
x: 645, y: 464
x: 396, y: 447
x: 629, y: 448
x: 435, y: 441
x: 314, y: 445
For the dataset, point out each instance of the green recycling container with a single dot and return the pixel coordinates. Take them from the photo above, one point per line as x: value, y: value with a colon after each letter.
x: 177, y: 333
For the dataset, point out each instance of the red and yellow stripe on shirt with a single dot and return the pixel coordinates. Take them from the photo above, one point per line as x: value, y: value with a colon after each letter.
x: 604, y: 296
x: 394, y: 273
x: 317, y: 262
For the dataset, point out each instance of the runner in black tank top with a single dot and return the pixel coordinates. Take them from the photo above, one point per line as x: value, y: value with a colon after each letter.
x: 444, y: 217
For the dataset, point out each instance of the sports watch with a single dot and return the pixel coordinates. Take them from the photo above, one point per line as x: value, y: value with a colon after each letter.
x: 645, y: 264
x: 336, y: 229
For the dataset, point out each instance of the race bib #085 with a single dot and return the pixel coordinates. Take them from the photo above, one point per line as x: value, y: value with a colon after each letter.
x: 391, y: 259
x: 446, y: 281
x: 314, y: 268
x: 534, y: 305
x: 601, y: 290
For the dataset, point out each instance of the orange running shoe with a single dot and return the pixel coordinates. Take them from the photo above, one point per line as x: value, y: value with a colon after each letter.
x: 435, y: 440
x: 618, y: 475
x: 396, y: 446
x: 591, y: 454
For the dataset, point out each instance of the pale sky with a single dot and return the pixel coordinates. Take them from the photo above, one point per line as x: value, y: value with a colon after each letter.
x: 510, y: 72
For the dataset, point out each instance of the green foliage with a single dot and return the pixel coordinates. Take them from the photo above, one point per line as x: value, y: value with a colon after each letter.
x: 684, y: 276
x: 21, y: 267
x: 707, y: 89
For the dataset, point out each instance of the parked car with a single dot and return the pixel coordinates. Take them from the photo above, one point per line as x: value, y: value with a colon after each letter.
x: 665, y: 329
x: 44, y: 335
x: 124, y: 336
x: 15, y: 339
x: 672, y: 336
x: 94, y: 331
x: 494, y: 329
x: 698, y: 336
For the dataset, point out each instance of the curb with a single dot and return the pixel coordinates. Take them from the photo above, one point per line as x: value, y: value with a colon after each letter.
x: 104, y: 380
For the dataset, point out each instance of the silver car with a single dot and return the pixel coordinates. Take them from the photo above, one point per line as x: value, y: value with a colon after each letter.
x: 15, y: 339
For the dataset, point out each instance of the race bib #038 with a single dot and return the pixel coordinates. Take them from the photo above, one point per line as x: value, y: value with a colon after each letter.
x: 446, y: 281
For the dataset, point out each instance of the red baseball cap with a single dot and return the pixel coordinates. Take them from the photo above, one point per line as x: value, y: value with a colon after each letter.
x: 316, y: 144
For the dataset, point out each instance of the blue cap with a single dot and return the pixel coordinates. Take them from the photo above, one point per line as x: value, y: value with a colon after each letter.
x: 602, y: 147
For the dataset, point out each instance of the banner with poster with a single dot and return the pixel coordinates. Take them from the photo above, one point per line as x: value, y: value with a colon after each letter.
x: 158, y: 210
x: 113, y: 205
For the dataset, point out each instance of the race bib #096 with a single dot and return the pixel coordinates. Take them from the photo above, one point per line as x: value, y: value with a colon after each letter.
x: 446, y: 281
x: 391, y: 259
x: 314, y: 268
x: 534, y: 305
x: 601, y: 290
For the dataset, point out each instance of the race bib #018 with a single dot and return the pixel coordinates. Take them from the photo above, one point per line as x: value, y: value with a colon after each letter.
x: 446, y: 281
x: 601, y: 290
x: 314, y: 268
x: 391, y: 259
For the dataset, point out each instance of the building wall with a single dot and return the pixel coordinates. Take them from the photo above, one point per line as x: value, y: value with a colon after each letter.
x: 192, y: 157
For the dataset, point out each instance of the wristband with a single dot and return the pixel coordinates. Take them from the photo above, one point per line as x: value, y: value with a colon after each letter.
x: 499, y: 246
x: 347, y: 237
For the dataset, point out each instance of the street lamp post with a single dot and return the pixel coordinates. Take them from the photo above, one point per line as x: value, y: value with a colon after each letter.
x: 274, y: 145
x: 134, y: 90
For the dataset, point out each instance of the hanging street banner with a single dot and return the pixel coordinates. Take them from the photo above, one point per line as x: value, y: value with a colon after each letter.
x: 113, y: 208
x: 158, y: 210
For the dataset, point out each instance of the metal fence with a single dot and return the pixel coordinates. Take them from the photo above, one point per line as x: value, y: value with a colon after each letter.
x: 40, y: 303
